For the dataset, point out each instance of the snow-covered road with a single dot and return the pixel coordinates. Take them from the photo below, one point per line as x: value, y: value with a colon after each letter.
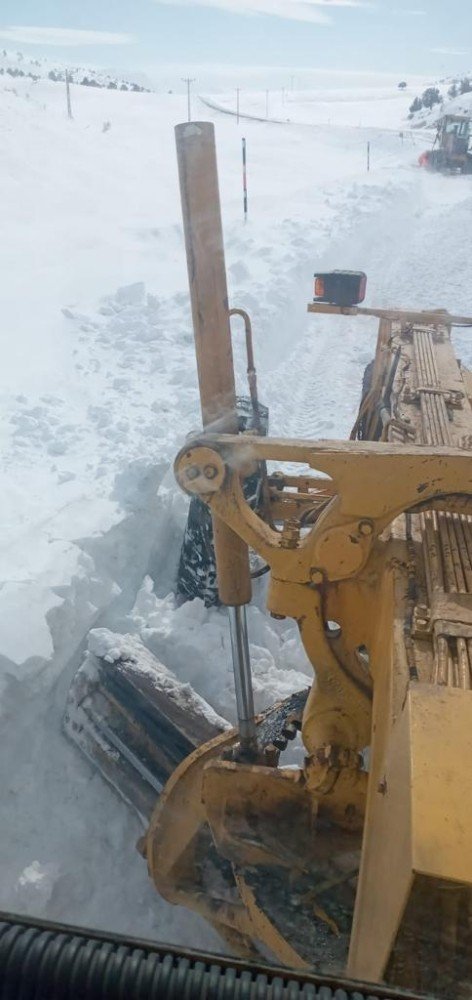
x: 98, y: 391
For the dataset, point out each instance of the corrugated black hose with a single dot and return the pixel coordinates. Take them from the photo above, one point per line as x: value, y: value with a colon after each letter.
x: 40, y: 960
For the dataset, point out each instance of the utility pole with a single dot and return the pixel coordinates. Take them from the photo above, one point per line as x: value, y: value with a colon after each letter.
x: 69, y: 106
x: 283, y: 95
x: 267, y: 103
x: 292, y: 79
x: 237, y: 105
x: 244, y: 181
x: 188, y: 80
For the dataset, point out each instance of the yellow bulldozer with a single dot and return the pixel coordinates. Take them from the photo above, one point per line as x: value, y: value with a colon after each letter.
x: 451, y: 152
x: 357, y: 859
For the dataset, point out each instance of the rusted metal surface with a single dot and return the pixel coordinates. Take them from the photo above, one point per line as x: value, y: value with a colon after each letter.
x: 196, y: 156
x: 251, y: 368
x: 428, y: 316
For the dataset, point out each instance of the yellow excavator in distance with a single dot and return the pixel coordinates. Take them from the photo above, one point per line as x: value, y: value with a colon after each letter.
x: 360, y: 858
x: 451, y: 151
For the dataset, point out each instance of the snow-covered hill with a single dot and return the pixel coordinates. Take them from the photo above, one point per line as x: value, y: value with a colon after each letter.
x: 17, y: 66
x: 98, y: 390
x: 450, y: 101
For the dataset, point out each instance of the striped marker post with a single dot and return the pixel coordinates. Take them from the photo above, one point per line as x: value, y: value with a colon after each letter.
x: 244, y: 181
x: 69, y: 105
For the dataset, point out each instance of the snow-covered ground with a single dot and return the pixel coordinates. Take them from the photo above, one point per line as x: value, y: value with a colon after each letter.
x: 16, y: 65
x: 384, y: 106
x: 98, y: 390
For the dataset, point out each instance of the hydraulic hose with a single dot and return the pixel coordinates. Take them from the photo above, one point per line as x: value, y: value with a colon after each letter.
x: 40, y: 960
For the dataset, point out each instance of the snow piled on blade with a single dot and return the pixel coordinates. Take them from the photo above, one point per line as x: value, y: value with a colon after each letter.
x: 112, y: 647
x: 98, y: 391
x: 194, y: 642
x: 109, y: 646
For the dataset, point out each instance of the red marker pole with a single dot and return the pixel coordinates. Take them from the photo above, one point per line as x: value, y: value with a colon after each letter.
x: 244, y: 181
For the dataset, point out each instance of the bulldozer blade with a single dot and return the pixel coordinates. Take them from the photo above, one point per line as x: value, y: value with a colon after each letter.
x: 133, y: 719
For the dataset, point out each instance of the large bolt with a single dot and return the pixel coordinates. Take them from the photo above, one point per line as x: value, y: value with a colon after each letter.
x: 290, y: 534
x: 366, y: 528
x: 277, y: 479
x: 316, y: 577
x: 192, y: 472
x: 210, y: 471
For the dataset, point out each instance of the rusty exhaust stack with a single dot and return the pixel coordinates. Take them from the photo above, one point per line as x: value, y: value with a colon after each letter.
x: 199, y: 192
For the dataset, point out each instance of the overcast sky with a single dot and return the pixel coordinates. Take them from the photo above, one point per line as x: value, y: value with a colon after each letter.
x: 396, y: 36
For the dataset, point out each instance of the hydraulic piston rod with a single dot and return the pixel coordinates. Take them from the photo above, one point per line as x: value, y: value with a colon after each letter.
x: 242, y: 677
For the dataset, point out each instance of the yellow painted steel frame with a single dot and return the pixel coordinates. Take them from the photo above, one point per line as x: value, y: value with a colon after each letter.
x: 349, y: 568
x: 372, y: 484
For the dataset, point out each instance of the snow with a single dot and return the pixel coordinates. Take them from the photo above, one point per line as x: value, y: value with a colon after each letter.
x: 98, y: 391
x: 193, y: 641
x: 112, y: 646
x: 109, y: 646
x: 427, y: 118
x: 384, y: 106
x: 17, y: 65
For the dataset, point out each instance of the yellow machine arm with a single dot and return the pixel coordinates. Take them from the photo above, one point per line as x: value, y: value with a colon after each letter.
x: 339, y: 861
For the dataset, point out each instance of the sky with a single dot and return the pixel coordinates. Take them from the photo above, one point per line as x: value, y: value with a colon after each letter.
x: 254, y: 39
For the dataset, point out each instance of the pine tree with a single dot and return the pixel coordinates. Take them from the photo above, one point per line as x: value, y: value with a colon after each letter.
x: 416, y: 106
x: 431, y: 97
